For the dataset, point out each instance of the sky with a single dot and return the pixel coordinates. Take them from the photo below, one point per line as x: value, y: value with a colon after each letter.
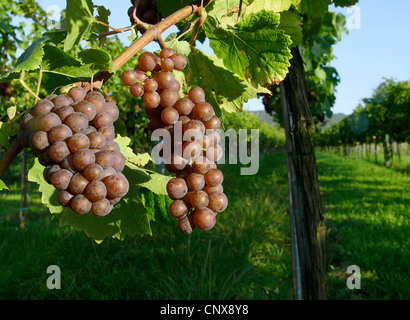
x: 377, y: 46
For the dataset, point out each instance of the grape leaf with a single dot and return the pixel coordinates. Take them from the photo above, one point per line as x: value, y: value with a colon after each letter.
x: 255, y: 6
x: 3, y: 186
x: 79, y: 15
x: 102, y: 16
x: 100, y: 58
x: 314, y: 8
x: 225, y: 11
x: 7, y: 130
x: 290, y: 23
x: 29, y: 59
x: 140, y: 159
x: 209, y: 72
x: 345, y: 3
x: 257, y: 50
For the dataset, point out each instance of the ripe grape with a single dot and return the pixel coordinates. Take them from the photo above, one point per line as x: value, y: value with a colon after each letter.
x: 103, y: 119
x: 87, y: 108
x: 78, y: 183
x: 179, y: 60
x: 112, y: 109
x: 93, y: 172
x: 97, y: 140
x: 97, y: 99
x: 186, y: 224
x: 41, y: 107
x: 77, y: 93
x: 77, y: 122
x: 214, y: 153
x: 105, y: 158
x: 129, y: 77
x: 59, y: 133
x: 199, y: 199
x: 177, y: 188
x: 175, y: 86
x: 201, y: 165
x: 195, y: 182
x: 117, y: 185
x: 218, y: 202
x: 63, y: 111
x: 78, y: 141
x: 101, y: 208
x: 147, y: 61
x: 107, y: 172
x: 204, y: 219
x: 81, y: 204
x: 137, y: 90
x: 202, y: 111
x: 151, y: 85
x: 61, y: 179
x: 197, y: 95
x: 191, y: 150
x: 119, y: 161
x: 47, y: 121
x: 166, y: 53
x: 39, y: 140
x: 213, y: 124
x: 49, y: 170
x: 63, y: 100
x: 108, y: 132
x: 168, y: 98
x: 178, y: 209
x: 68, y: 164
x: 83, y: 158
x: 58, y: 151
x: 152, y: 99
x: 164, y: 79
x: 95, y: 190
x: 169, y: 116
x: 184, y: 173
x: 213, y: 189
x: 167, y: 64
x: 64, y: 197
x: 214, y: 177
x: 112, y: 146
x: 184, y: 106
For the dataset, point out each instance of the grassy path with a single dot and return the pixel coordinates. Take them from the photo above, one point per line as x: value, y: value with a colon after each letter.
x: 368, y: 210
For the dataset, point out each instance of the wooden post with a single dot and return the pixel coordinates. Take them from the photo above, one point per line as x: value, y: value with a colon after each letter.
x: 310, y: 225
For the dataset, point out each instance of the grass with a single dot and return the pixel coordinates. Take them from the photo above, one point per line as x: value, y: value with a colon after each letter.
x: 246, y: 256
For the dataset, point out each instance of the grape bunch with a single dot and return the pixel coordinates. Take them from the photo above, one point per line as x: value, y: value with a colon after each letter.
x: 196, y: 190
x: 72, y: 135
x: 146, y: 11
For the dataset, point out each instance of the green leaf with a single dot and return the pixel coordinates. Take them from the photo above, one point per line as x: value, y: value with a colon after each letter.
x: 314, y: 8
x: 100, y: 58
x: 102, y: 16
x: 139, y: 160
x: 345, y: 3
x: 257, y: 50
x: 3, y: 186
x: 29, y: 59
x: 255, y: 6
x: 11, y: 112
x: 7, y: 130
x: 79, y: 15
x: 229, y: 91
x: 225, y: 11
x: 290, y: 23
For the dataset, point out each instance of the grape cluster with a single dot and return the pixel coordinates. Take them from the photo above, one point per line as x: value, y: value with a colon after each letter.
x: 197, y: 190
x: 72, y: 135
x: 146, y: 11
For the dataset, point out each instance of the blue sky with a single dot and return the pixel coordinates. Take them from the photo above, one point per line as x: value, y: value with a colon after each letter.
x: 379, y: 48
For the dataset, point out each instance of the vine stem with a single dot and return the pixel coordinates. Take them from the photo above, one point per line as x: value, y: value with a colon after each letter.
x: 153, y: 33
